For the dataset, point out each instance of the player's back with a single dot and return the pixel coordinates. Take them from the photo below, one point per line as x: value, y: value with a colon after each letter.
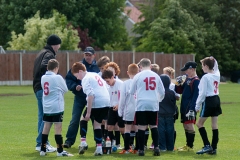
x: 54, y: 87
x: 149, y: 90
x: 212, y: 81
x: 94, y: 85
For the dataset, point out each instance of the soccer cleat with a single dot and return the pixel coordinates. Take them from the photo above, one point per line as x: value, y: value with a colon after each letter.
x: 213, y: 152
x: 185, y: 148
x: 82, y: 147
x: 50, y: 148
x: 42, y: 153
x: 98, y: 152
x: 66, y: 145
x: 141, y: 153
x: 156, y: 152
x: 124, y: 151
x: 133, y: 151
x: 205, y: 149
x: 64, y: 154
x: 152, y: 146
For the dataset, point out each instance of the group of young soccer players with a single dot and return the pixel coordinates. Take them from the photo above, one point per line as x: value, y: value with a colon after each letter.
x: 145, y: 100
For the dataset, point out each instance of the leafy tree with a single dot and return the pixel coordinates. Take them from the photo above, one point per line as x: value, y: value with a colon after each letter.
x: 101, y: 18
x: 38, y: 29
x: 178, y: 29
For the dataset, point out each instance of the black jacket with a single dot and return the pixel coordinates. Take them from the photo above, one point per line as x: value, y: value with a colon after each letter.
x: 40, y: 66
x: 167, y: 107
x: 72, y: 81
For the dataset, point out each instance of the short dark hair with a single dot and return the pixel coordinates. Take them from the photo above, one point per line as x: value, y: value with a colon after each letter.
x: 209, y: 61
x: 145, y: 62
x: 107, y: 73
x: 52, y: 64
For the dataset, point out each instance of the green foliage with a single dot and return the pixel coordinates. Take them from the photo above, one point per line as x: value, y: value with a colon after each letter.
x: 185, y: 27
x: 101, y: 18
x: 38, y: 29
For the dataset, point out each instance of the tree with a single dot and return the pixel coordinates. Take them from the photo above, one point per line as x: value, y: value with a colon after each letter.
x: 38, y: 29
x: 178, y: 29
x: 101, y: 18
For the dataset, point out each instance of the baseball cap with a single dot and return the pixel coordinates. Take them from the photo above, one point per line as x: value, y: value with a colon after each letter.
x: 188, y: 65
x: 89, y: 50
x: 53, y: 40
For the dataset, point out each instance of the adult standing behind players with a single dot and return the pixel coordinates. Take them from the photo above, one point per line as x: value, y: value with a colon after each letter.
x: 149, y: 89
x: 40, y: 67
x: 189, y: 91
x: 80, y: 102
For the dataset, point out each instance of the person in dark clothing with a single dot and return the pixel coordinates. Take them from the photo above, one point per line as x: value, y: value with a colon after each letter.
x: 80, y: 102
x: 40, y: 67
x: 165, y: 116
x: 188, y: 87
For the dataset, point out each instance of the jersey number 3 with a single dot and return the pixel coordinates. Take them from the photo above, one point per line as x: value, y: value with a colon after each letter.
x: 150, y: 83
x: 46, y: 88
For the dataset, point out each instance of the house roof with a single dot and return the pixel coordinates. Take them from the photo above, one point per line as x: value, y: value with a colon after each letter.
x: 133, y: 13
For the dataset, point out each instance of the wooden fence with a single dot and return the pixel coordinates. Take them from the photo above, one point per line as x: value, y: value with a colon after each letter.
x: 17, y: 67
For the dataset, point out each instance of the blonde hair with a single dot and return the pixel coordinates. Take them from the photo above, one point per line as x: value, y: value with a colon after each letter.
x: 169, y: 71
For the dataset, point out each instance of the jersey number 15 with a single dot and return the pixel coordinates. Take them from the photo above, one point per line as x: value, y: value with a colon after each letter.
x: 150, y: 83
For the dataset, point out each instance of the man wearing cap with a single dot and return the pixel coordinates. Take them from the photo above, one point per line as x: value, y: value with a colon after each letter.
x: 40, y: 67
x: 189, y: 91
x: 80, y: 102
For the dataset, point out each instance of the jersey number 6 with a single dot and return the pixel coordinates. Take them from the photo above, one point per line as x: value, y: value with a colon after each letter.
x: 150, y: 83
x: 46, y: 89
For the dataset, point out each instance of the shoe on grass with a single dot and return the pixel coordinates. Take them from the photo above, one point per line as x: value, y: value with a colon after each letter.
x: 205, y: 149
x: 64, y: 154
x: 82, y: 147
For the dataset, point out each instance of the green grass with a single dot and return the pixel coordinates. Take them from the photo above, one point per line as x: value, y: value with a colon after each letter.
x: 18, y: 128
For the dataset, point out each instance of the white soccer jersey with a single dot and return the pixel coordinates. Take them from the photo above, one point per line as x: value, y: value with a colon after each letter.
x: 126, y: 108
x: 94, y: 85
x: 54, y: 88
x: 114, y: 92
x: 208, y: 86
x: 172, y: 87
x: 149, y: 90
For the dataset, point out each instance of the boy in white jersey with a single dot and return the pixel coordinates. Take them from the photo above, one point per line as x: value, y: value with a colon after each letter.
x: 98, y: 101
x: 149, y: 89
x: 209, y: 100
x: 126, y: 108
x: 54, y: 88
x: 114, y: 92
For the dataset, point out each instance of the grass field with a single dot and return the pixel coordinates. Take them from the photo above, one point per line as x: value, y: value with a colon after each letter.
x: 18, y: 128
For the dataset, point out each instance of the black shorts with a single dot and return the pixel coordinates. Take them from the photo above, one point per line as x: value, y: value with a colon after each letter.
x: 121, y: 122
x: 53, y: 117
x: 113, y: 118
x: 146, y: 118
x: 129, y: 122
x: 185, y: 120
x: 211, y: 107
x: 98, y: 114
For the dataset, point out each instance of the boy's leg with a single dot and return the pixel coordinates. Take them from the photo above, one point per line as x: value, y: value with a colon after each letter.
x: 45, y: 132
x: 214, y: 133
x: 83, y: 132
x: 161, y: 133
x: 170, y: 133
x: 58, y: 136
x: 146, y: 136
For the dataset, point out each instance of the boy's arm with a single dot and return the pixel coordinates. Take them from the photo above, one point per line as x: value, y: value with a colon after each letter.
x: 122, y: 101
x: 89, y: 106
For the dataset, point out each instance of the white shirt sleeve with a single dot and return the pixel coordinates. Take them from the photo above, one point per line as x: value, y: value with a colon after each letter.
x: 122, y: 100
x: 202, y: 93
x: 87, y: 88
x: 215, y: 68
x: 62, y: 84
